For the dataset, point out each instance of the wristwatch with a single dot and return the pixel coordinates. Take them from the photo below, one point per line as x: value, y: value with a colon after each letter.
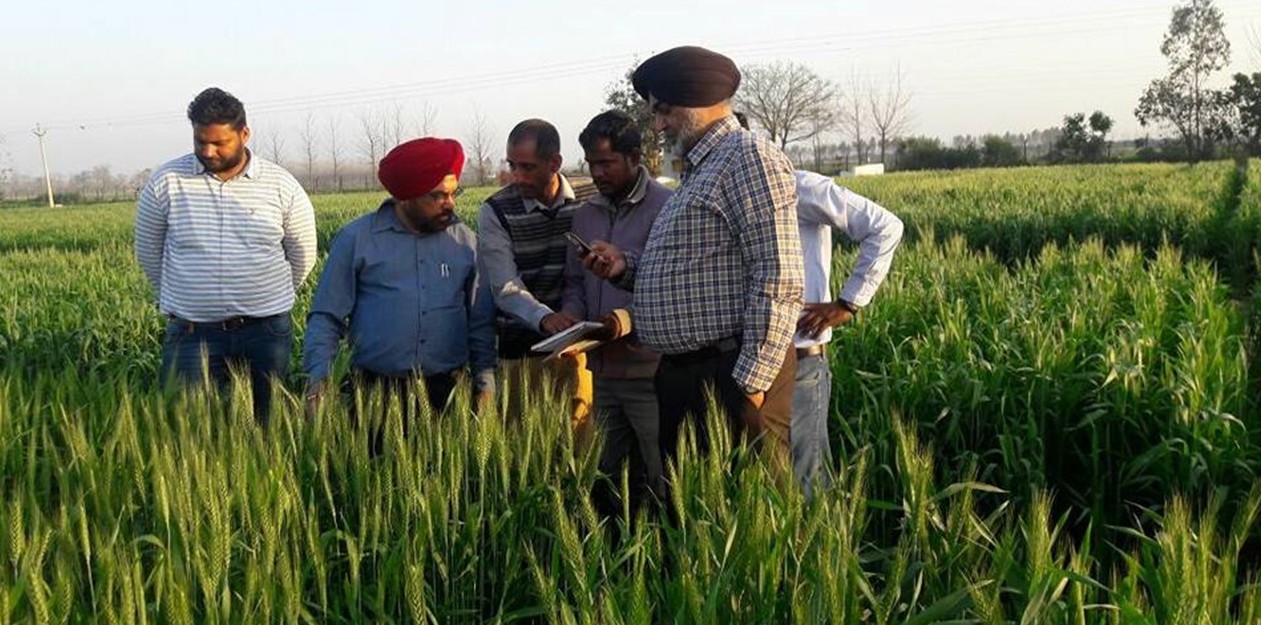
x: 848, y: 305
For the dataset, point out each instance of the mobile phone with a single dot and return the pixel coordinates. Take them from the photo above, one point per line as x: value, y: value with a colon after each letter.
x: 578, y: 243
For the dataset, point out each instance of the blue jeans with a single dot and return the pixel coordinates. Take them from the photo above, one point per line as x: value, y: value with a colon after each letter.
x: 262, y: 347
x: 811, y: 452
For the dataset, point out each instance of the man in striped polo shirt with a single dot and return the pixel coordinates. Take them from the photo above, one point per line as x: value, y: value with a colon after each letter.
x: 521, y: 248
x: 226, y: 238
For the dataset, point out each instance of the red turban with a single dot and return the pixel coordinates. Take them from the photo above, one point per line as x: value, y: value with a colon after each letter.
x: 414, y: 168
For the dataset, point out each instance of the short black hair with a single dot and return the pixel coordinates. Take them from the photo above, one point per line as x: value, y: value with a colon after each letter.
x: 743, y: 119
x: 616, y: 126
x: 546, y: 139
x: 216, y: 106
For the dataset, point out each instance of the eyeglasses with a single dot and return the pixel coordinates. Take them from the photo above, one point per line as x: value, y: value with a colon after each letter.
x: 439, y: 197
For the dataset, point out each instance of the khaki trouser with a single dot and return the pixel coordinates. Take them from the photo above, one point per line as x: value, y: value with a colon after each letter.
x: 565, y: 377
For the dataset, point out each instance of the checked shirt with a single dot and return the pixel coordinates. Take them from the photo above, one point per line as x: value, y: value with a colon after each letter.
x: 724, y: 256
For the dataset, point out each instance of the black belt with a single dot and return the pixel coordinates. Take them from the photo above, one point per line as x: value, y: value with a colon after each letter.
x: 713, y: 350
x: 226, y: 325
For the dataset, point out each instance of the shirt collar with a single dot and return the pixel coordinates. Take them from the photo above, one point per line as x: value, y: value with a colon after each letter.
x: 566, y: 195
x: 248, y: 172
x: 637, y: 194
x: 711, y: 139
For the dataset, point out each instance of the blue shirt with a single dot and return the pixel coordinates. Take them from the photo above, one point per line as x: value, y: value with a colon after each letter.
x: 411, y: 303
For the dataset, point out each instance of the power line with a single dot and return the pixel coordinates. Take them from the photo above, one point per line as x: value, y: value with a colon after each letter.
x: 989, y: 30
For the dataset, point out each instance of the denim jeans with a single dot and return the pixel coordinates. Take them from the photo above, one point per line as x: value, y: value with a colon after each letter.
x: 811, y: 452
x: 262, y: 347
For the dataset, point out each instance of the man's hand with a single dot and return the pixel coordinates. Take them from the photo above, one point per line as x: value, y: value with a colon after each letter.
x: 483, y: 402
x: 556, y: 322
x: 605, y: 260
x: 815, y: 318
x: 757, y: 399
x: 314, y: 395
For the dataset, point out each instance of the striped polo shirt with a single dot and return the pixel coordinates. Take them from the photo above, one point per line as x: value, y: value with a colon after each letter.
x: 220, y: 249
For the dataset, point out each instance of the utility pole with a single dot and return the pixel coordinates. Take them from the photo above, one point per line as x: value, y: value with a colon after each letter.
x: 48, y: 181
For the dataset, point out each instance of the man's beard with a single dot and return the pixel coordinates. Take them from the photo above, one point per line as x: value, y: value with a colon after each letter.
x: 223, y: 164
x: 689, y: 133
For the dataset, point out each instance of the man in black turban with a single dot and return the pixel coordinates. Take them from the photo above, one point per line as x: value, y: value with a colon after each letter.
x: 718, y: 287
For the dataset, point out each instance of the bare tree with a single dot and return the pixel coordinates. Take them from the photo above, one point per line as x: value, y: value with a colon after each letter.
x: 393, y: 125
x: 480, y: 145
x: 310, y: 142
x: 1254, y: 40
x: 854, y: 117
x: 274, y: 145
x: 6, y: 171
x: 788, y: 100
x: 890, y: 110
x: 371, y: 142
x: 335, y: 150
x: 425, y: 121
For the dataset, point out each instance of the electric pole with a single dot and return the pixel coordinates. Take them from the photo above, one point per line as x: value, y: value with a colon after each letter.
x: 48, y: 181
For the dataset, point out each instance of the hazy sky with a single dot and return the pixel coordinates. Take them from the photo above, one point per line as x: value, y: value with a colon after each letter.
x: 111, y: 80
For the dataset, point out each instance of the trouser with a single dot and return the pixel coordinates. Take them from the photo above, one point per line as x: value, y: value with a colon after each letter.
x: 567, y: 377
x: 627, y: 414
x: 194, y: 352
x: 684, y: 382
x: 811, y: 451
x: 408, y: 390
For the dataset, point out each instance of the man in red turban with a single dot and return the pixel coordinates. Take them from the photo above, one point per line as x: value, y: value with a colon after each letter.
x: 402, y: 283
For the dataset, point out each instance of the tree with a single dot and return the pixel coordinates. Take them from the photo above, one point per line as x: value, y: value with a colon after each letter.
x: 334, y: 150
x: 788, y: 100
x: 480, y: 146
x: 1244, y: 100
x: 274, y: 145
x: 621, y: 96
x: 1082, y: 140
x: 6, y: 171
x: 890, y: 112
x: 1196, y: 47
x: 998, y: 151
x: 428, y: 115
x: 854, y: 117
x: 371, y: 141
x: 310, y: 142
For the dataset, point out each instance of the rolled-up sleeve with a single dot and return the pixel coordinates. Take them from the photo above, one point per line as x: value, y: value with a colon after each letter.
x: 765, y: 188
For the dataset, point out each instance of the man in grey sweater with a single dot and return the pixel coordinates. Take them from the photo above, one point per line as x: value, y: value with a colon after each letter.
x: 625, y: 403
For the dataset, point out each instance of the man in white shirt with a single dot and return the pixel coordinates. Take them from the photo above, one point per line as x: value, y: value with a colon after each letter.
x: 823, y: 205
x: 226, y: 238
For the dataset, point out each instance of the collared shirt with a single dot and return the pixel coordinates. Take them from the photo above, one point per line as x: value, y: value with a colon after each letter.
x: 499, y: 266
x: 724, y: 257
x: 624, y: 223
x: 216, y: 249
x: 414, y: 302
x: 823, y: 205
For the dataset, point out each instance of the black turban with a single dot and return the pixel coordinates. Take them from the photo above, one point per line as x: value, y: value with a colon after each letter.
x: 687, y: 76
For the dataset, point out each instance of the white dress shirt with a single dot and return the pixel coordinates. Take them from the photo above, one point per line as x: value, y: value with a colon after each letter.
x: 823, y: 205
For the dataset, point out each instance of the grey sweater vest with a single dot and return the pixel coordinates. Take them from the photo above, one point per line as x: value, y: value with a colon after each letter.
x: 539, y: 249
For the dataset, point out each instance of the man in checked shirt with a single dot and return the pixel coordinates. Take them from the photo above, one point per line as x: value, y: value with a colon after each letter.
x: 718, y: 288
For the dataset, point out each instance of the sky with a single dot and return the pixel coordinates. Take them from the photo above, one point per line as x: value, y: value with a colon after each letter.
x: 109, y: 81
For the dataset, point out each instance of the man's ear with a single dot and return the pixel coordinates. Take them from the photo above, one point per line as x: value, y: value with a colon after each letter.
x: 245, y: 134
x: 556, y: 161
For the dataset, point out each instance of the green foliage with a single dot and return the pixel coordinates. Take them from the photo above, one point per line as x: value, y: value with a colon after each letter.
x: 1047, y: 416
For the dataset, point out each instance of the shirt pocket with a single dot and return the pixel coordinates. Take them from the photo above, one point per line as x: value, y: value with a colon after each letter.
x: 446, y: 280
